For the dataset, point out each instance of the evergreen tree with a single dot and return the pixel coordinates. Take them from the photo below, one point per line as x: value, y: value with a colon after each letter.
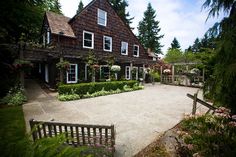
x: 221, y: 85
x: 149, y: 31
x: 120, y: 7
x: 196, y: 45
x: 80, y: 7
x: 56, y: 7
x: 175, y: 44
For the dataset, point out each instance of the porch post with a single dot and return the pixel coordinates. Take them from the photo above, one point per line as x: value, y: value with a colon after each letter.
x: 131, y: 69
x: 161, y: 74
x: 22, y: 73
x: 173, y: 74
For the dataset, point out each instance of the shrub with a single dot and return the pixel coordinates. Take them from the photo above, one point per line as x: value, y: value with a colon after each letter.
x: 210, y: 135
x: 14, y: 97
x: 68, y: 97
x: 84, y: 88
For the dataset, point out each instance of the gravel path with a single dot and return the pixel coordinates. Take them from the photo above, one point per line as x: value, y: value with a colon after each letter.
x: 138, y: 116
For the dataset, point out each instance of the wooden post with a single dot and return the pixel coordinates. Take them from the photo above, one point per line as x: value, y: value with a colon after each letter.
x: 61, y: 71
x: 173, y: 74
x: 161, y: 74
x: 194, y: 104
x: 34, y: 134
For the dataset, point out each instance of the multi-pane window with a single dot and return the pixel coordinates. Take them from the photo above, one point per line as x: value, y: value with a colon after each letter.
x: 72, y: 74
x: 127, y: 73
x: 102, y: 17
x: 107, y: 43
x: 88, y: 40
x: 136, y: 50
x: 135, y: 73
x: 104, y: 72
x: 124, y: 48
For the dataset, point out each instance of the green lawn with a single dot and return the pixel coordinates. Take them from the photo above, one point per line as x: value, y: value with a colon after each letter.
x: 12, y: 132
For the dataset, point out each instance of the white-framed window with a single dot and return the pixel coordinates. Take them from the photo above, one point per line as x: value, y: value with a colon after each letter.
x: 104, y: 72
x: 88, y: 40
x: 136, y: 51
x: 127, y: 72
x: 107, y: 43
x: 124, y: 48
x: 102, y: 17
x: 72, y: 74
x: 46, y: 73
x: 135, y: 73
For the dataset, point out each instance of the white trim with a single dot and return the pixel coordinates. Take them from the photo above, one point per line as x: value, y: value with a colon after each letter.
x: 127, y: 46
x: 110, y: 39
x: 98, y: 17
x: 76, y: 74
x: 46, y: 72
x: 127, y: 69
x: 48, y: 37
x: 137, y: 51
x: 92, y: 40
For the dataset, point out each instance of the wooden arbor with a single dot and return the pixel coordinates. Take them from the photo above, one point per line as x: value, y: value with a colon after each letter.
x: 182, y: 78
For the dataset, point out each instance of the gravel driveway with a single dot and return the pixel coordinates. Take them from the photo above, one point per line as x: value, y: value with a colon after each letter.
x: 139, y: 116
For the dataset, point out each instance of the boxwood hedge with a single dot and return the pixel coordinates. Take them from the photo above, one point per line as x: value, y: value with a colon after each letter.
x: 84, y: 88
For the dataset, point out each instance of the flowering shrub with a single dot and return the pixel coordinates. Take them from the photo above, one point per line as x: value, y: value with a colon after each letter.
x: 167, y: 71
x: 115, y: 68
x: 211, y: 135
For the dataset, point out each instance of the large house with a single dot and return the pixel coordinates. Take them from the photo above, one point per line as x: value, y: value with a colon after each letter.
x: 96, y: 28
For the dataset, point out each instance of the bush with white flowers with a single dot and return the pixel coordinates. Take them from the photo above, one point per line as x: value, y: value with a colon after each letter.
x: 115, y: 68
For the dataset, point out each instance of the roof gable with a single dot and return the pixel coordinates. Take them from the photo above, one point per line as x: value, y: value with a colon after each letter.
x: 59, y: 23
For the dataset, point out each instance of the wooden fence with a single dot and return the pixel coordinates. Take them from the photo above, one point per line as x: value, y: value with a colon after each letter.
x: 196, y: 100
x: 76, y: 134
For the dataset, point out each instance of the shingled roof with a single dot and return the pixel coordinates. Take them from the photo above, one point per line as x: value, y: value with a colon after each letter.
x: 59, y: 23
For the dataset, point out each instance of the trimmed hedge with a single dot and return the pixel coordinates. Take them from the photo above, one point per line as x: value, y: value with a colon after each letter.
x: 84, y: 88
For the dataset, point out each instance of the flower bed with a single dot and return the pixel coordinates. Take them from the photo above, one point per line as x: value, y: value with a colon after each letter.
x: 88, y: 90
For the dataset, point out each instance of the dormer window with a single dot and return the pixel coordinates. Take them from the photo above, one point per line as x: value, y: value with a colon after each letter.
x: 102, y: 17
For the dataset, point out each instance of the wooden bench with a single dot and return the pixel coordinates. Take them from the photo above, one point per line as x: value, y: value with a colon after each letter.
x: 76, y: 134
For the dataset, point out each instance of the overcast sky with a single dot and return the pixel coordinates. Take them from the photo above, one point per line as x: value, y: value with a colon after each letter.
x: 183, y: 19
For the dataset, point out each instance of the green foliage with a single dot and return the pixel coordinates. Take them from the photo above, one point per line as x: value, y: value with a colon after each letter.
x: 175, y: 44
x: 221, y: 85
x: 25, y: 19
x: 90, y: 90
x: 84, y: 88
x: 15, y: 97
x: 174, y: 56
x: 120, y: 7
x: 12, y: 131
x: 155, y: 76
x: 68, y: 97
x: 64, y: 65
x: 149, y: 31
x: 210, y: 135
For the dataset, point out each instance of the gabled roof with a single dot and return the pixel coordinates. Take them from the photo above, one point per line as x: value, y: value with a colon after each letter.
x: 59, y: 23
